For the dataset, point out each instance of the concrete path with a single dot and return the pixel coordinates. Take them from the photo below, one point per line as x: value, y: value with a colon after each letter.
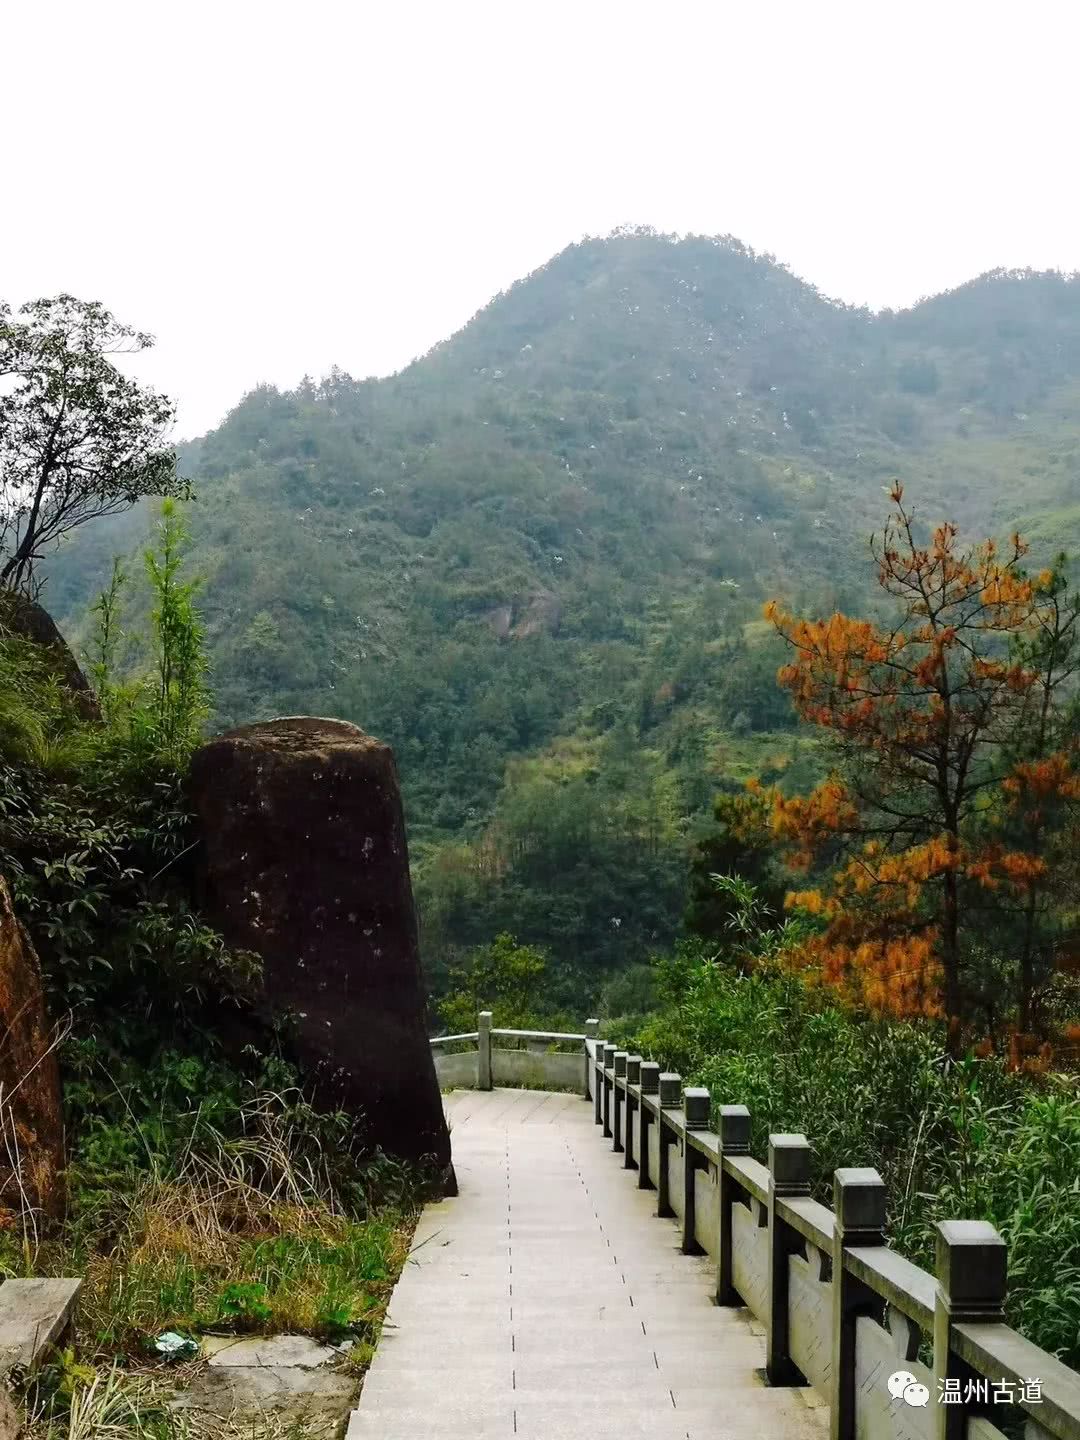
x: 547, y: 1302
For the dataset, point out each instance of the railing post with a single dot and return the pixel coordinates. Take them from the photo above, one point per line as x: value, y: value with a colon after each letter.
x: 592, y: 1029
x: 789, y: 1175
x: 670, y: 1096
x: 633, y: 1077
x: 697, y: 1103
x: 734, y: 1140
x: 972, y: 1277
x: 483, y: 1050
x: 859, y: 1204
x: 650, y: 1085
x: 619, y: 1068
x: 609, y: 1061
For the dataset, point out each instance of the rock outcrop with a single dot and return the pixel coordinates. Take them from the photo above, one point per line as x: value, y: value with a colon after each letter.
x: 500, y: 618
x: 537, y: 612
x: 31, y: 1112
x: 19, y: 615
x: 305, y: 863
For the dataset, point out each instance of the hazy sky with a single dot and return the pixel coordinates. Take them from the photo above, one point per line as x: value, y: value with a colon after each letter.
x: 271, y: 188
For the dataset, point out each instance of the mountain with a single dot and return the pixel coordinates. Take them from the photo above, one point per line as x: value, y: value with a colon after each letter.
x: 534, y: 560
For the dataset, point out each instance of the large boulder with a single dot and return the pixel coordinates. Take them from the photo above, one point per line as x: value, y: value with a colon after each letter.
x: 305, y: 863
x: 21, y: 616
x: 31, y: 1111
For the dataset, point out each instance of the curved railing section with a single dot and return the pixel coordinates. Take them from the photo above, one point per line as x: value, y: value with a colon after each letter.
x: 536, y: 1059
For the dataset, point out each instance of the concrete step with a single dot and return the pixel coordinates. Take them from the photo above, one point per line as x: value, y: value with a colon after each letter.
x: 34, y: 1316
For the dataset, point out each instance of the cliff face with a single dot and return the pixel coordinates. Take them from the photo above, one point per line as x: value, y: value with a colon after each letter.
x: 536, y: 613
x: 31, y: 1113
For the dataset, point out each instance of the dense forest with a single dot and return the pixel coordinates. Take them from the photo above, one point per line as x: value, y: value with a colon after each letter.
x: 535, y: 560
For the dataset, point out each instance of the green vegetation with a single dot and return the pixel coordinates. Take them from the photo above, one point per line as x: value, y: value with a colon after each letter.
x: 503, y: 977
x: 951, y: 1139
x: 78, y: 439
x: 534, y: 561
x: 252, y: 1234
x: 204, y: 1190
x: 94, y: 827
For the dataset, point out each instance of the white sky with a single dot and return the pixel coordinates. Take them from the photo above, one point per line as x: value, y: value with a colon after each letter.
x: 271, y: 188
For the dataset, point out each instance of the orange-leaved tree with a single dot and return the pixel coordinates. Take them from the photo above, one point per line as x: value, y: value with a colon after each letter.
x: 955, y: 760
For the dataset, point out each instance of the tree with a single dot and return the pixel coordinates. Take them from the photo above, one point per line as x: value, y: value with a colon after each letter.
x: 954, y: 753
x: 181, y: 699
x: 738, y: 843
x: 1041, y: 786
x: 160, y: 714
x: 503, y: 977
x: 78, y: 439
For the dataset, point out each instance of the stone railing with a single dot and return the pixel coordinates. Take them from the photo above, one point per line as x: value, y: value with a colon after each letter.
x: 529, y: 1059
x: 841, y: 1311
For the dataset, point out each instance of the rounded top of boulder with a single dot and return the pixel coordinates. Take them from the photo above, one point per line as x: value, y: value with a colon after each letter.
x: 240, y: 769
x: 304, y: 733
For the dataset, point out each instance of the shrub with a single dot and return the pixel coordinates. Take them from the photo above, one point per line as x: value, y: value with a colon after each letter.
x: 951, y: 1139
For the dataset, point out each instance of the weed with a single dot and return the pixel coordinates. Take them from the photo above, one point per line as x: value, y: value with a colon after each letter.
x: 112, y: 1405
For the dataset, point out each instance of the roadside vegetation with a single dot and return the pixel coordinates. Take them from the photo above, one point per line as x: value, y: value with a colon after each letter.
x: 952, y: 1138
x: 887, y: 961
x: 204, y: 1193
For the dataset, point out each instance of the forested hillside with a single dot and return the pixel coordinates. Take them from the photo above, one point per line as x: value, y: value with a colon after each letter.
x: 534, y: 561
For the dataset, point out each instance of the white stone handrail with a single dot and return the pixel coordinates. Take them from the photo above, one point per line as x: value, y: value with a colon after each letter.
x: 530, y: 1062
x: 841, y: 1310
x: 550, y: 1036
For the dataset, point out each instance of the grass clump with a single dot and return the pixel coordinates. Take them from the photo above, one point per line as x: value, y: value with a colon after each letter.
x: 114, y: 1405
x: 99, y: 1407
x: 202, y: 1253
x: 259, y: 1231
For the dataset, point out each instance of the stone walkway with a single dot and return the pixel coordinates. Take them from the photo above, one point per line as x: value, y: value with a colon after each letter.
x: 547, y: 1302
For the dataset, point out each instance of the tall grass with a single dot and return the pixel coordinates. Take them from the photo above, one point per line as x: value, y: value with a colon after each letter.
x: 248, y: 1232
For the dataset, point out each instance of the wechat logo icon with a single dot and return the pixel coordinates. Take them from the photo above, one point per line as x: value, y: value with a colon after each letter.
x: 904, y: 1386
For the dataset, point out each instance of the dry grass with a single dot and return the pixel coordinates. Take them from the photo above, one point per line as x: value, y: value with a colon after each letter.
x: 248, y: 1234
x: 257, y: 1427
x: 244, y: 1235
x: 111, y: 1405
x: 116, y: 1406
x: 209, y: 1251
x: 188, y: 1259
